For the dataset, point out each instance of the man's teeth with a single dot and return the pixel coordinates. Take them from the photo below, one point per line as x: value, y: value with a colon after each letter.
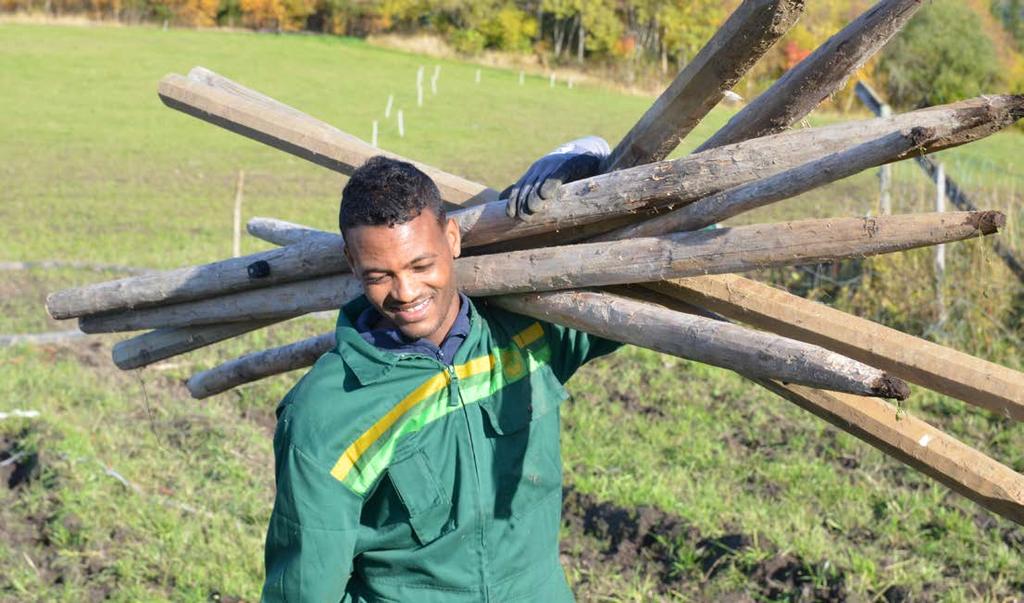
x: 417, y: 307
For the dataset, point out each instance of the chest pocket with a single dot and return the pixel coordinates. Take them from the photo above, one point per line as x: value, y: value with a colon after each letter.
x: 429, y: 507
x: 522, y: 428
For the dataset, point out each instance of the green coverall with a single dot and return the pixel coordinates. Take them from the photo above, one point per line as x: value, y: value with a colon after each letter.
x: 402, y: 479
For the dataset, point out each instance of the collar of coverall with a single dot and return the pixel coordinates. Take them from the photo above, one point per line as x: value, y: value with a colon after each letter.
x: 371, y: 363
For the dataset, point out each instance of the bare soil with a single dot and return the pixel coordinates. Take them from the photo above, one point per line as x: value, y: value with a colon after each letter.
x: 608, y: 539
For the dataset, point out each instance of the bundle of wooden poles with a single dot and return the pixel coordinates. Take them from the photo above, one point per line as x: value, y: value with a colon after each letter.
x: 623, y: 254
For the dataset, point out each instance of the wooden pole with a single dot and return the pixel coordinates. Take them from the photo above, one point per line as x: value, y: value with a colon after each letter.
x: 818, y: 76
x: 280, y: 232
x: 704, y: 340
x: 259, y: 365
x: 910, y: 440
x: 904, y: 437
x: 220, y: 101
x: 161, y: 344
x: 236, y: 245
x: 623, y: 192
x: 626, y: 320
x: 798, y: 180
x: 954, y: 192
x: 990, y: 386
x: 739, y: 43
x: 593, y: 264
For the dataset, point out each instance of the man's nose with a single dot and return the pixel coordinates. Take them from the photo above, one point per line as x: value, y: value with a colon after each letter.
x: 404, y: 288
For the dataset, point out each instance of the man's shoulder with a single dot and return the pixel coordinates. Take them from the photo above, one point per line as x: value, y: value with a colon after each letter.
x: 506, y: 326
x: 321, y: 411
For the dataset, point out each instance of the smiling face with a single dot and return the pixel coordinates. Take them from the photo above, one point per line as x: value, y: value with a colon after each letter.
x: 407, y: 271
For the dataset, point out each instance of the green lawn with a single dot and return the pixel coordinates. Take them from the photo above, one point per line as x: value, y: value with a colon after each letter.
x: 137, y: 492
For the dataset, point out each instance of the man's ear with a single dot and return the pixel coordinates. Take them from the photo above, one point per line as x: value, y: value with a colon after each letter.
x: 454, y: 236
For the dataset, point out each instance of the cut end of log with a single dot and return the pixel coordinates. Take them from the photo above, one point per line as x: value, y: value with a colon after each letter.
x: 49, y: 308
x: 891, y: 387
x: 987, y: 222
x: 1016, y: 106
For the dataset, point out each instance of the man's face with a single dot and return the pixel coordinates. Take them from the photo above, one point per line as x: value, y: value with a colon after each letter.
x: 407, y: 273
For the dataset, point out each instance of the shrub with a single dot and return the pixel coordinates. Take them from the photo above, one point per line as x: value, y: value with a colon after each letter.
x: 942, y: 56
x: 468, y: 41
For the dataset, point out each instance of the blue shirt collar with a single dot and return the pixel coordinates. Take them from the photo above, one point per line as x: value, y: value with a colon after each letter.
x: 392, y: 340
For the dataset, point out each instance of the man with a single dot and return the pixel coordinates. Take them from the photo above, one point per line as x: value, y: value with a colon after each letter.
x: 419, y: 459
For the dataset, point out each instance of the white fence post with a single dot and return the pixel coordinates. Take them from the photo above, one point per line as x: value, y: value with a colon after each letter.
x: 401, y: 125
x: 373, y: 140
x: 419, y: 86
x: 387, y: 108
x: 885, y: 179
x: 236, y: 243
x: 940, y: 250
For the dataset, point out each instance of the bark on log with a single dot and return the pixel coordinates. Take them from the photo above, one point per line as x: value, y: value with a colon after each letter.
x: 910, y: 440
x: 161, y: 344
x: 271, y: 304
x: 667, y: 183
x: 595, y: 264
x: 628, y: 321
x: 259, y: 365
x: 280, y: 232
x: 975, y: 381
x: 318, y: 256
x: 726, y: 204
x: 739, y: 43
x: 705, y: 340
x: 818, y: 76
x: 225, y: 103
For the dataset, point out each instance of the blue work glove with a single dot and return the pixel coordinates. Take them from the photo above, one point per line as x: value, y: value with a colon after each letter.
x: 570, y: 162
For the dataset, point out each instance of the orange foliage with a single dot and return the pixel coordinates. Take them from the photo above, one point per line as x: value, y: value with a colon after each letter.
x: 194, y: 13
x: 795, y: 54
x: 625, y: 46
x: 263, y: 14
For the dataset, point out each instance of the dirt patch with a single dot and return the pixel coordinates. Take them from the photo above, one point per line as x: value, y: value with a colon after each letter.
x: 18, y: 466
x: 633, y: 403
x: 606, y: 539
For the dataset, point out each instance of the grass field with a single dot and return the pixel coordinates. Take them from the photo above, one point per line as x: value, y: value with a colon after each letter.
x: 685, y: 482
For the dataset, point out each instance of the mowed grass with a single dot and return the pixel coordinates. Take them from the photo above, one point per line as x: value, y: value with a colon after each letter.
x: 140, y: 493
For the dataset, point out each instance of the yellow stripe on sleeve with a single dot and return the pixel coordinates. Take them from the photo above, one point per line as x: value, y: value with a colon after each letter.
x: 352, y: 453
x: 528, y: 335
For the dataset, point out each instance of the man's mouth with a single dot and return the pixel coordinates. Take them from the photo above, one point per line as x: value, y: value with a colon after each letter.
x: 407, y: 313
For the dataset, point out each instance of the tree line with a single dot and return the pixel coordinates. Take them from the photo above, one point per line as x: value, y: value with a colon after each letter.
x: 951, y: 49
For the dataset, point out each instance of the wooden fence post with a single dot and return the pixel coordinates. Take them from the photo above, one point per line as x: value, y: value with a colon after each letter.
x: 236, y: 246
x: 885, y: 178
x: 940, y: 250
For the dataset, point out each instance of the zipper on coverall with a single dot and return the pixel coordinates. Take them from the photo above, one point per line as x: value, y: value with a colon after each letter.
x: 455, y: 399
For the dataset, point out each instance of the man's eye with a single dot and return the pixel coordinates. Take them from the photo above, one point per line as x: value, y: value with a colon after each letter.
x: 373, y: 280
x: 422, y: 267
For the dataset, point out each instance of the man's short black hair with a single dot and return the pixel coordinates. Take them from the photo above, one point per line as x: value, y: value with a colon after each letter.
x: 386, y: 192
